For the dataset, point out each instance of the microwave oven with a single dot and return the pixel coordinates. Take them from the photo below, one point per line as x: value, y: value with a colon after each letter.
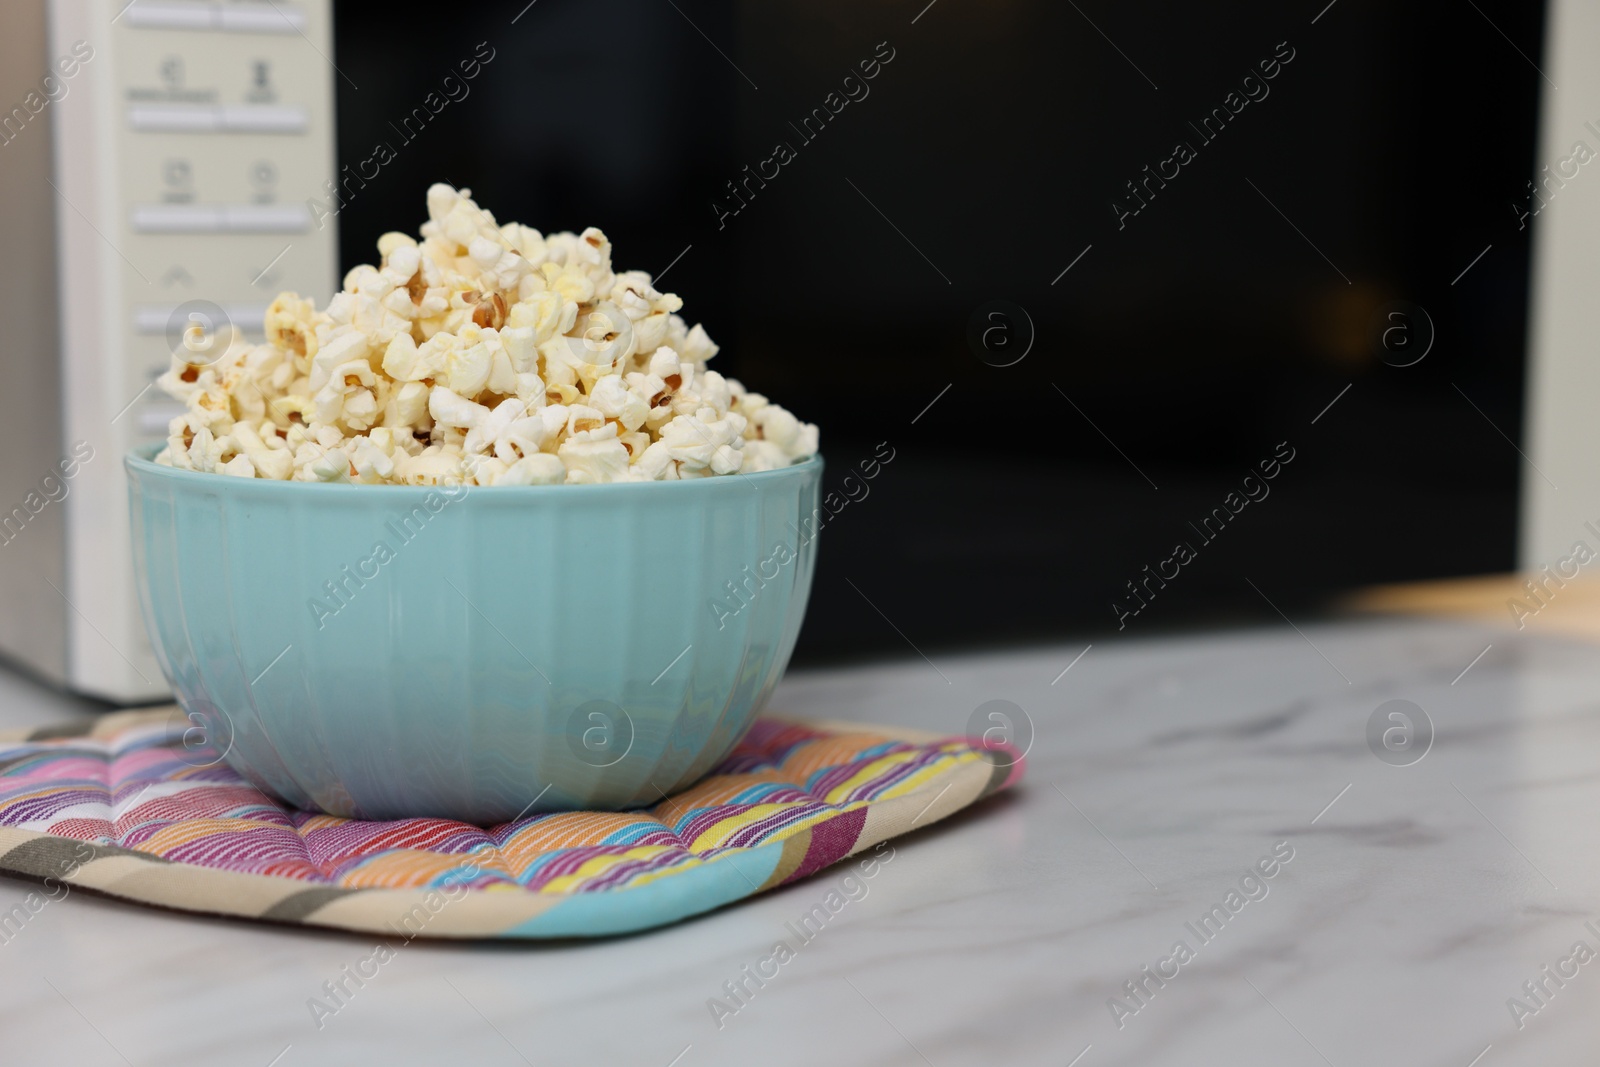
x: 158, y: 160
x: 158, y: 153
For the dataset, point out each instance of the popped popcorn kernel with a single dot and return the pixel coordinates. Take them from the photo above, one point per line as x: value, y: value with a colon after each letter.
x: 477, y: 354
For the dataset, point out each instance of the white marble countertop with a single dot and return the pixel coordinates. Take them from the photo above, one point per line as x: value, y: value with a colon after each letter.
x: 1419, y: 899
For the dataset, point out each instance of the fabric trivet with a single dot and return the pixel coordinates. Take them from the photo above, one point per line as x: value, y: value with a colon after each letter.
x: 120, y: 807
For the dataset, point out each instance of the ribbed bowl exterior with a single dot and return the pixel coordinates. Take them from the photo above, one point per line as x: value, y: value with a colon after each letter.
x: 473, y: 653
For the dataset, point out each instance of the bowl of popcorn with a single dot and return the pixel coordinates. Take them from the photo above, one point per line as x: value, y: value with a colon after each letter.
x: 483, y: 537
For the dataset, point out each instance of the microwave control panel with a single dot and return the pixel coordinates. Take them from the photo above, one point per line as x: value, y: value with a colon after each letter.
x: 193, y: 154
x: 224, y: 140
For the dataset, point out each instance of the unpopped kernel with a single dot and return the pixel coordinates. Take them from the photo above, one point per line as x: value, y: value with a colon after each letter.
x: 482, y: 355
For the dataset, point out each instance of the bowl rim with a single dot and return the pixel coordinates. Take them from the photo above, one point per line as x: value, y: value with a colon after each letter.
x: 141, y: 461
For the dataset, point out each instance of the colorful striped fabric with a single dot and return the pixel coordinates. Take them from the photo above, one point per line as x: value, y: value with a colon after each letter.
x: 124, y: 809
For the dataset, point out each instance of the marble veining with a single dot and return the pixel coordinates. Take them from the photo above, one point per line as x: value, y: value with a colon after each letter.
x: 1421, y: 902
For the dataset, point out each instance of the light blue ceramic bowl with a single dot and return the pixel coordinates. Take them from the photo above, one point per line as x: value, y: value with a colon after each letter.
x: 472, y: 653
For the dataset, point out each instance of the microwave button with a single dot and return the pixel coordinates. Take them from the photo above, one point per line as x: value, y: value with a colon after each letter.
x: 265, y: 218
x: 177, y: 218
x: 171, y: 15
x: 251, y: 318
x: 154, y: 419
x: 258, y: 118
x: 151, y: 320
x: 262, y: 18
x: 252, y: 17
x: 173, y: 118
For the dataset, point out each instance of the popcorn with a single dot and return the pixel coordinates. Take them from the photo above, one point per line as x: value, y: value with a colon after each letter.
x: 332, y: 466
x: 703, y: 440
x: 592, y: 456
x: 540, y: 469
x: 239, y: 467
x: 452, y: 409
x: 266, y: 461
x: 291, y: 326
x: 478, y: 354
